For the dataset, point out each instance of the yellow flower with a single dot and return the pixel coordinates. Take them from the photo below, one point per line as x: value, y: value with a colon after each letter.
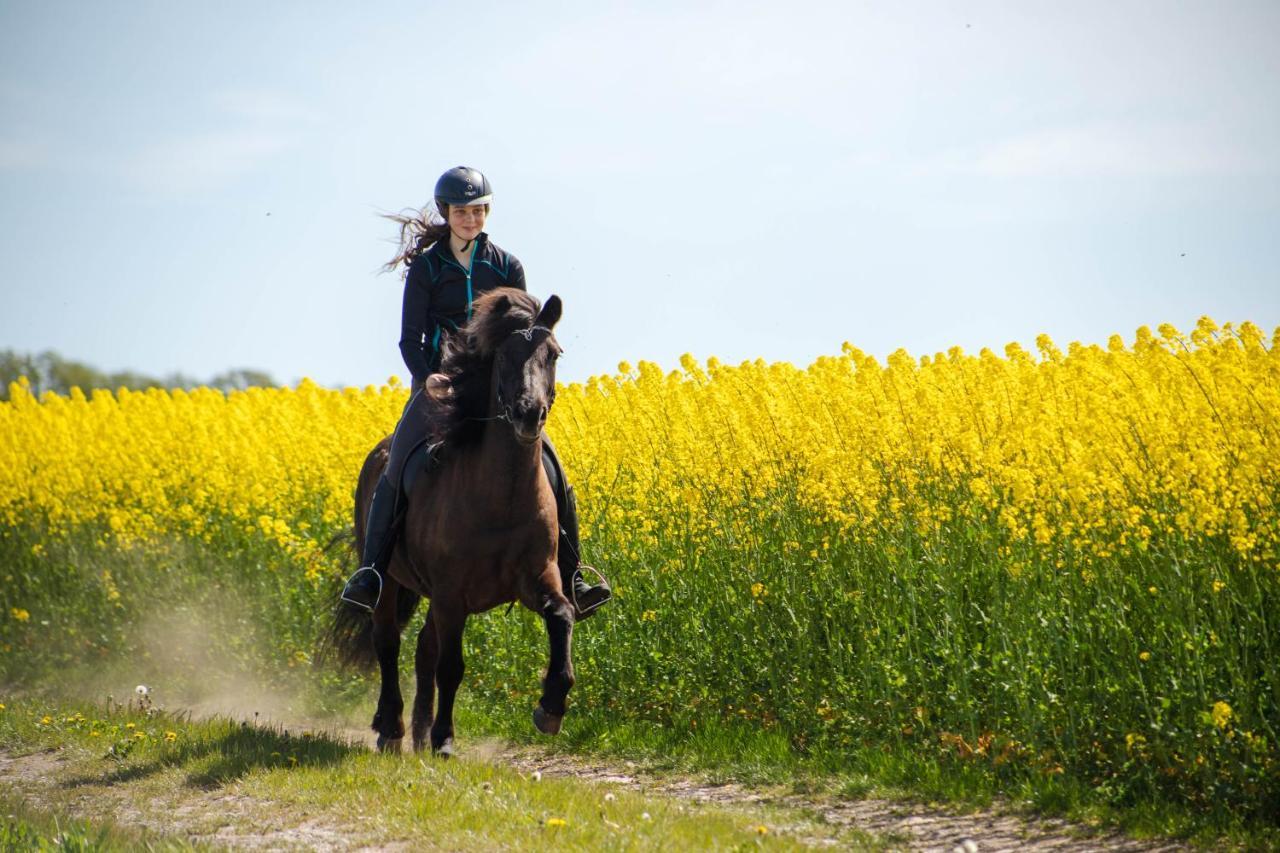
x: 1218, y: 586
x: 758, y: 590
x: 1144, y: 656
x: 1221, y: 714
x: 170, y: 736
x: 761, y: 829
x: 556, y: 822
x: 19, y: 614
x: 648, y: 616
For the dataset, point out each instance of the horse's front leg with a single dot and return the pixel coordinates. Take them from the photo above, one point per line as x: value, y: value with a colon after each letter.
x: 424, y: 664
x: 557, y: 612
x: 388, y: 720
x: 450, y: 620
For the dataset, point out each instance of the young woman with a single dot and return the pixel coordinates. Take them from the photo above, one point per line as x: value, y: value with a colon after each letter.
x: 450, y: 264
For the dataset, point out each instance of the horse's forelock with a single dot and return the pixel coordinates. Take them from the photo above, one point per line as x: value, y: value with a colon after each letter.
x: 498, y: 314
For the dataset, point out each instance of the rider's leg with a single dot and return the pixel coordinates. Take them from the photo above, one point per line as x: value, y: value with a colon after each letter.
x: 365, y: 587
x: 585, y: 597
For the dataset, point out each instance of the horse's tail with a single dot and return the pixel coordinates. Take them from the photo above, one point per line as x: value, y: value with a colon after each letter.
x: 349, y: 639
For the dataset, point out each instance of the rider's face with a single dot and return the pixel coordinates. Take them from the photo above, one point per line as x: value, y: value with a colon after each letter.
x: 467, y: 222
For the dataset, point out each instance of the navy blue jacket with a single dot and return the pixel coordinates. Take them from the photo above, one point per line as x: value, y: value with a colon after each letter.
x: 438, y: 293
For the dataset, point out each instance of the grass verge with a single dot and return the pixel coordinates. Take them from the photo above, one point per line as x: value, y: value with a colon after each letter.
x: 223, y: 781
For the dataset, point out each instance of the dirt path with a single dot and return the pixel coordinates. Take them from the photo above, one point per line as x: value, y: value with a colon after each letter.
x: 226, y: 818
x: 907, y: 825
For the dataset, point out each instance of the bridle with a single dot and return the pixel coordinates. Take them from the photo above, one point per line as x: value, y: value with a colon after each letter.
x: 503, y: 415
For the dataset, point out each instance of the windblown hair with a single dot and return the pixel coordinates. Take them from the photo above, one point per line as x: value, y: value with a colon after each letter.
x: 467, y: 361
x: 419, y: 229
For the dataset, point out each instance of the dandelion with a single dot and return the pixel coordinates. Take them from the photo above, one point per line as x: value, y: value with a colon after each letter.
x: 170, y: 737
x: 556, y: 822
x: 536, y: 775
x: 760, y: 829
x: 609, y: 797
x: 19, y: 614
x: 1144, y: 656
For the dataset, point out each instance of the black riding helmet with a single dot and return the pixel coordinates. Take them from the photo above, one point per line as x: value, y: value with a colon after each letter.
x: 462, y: 186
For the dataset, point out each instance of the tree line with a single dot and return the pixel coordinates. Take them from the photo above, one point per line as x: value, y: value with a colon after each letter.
x: 48, y: 371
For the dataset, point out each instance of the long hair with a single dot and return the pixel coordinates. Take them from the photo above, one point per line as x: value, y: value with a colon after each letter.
x: 419, y: 229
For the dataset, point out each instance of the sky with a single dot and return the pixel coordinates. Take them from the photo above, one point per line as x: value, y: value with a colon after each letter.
x: 197, y: 187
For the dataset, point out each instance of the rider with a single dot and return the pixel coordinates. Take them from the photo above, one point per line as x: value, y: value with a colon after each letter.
x: 450, y: 264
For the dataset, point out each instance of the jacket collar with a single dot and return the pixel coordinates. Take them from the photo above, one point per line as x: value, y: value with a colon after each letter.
x: 444, y: 253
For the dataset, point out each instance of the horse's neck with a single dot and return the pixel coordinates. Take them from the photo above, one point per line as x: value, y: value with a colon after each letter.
x: 503, y: 460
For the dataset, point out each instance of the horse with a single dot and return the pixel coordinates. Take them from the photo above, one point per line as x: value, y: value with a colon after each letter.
x: 480, y: 526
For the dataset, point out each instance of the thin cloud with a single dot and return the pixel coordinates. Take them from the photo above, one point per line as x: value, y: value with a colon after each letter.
x: 207, y: 161
x: 1109, y: 150
x: 263, y: 105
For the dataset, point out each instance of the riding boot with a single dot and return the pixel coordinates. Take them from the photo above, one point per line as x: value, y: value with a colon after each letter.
x: 364, y: 588
x: 586, y: 598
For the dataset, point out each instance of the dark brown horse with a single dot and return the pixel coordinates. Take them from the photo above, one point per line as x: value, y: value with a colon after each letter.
x: 480, y: 528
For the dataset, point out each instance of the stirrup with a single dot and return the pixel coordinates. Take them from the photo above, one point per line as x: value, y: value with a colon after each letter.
x: 357, y: 583
x: 583, y: 612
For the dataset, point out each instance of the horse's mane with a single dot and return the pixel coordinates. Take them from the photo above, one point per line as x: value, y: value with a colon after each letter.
x: 468, y: 362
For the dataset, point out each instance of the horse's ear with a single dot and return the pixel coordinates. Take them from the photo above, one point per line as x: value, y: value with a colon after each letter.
x: 501, y: 304
x: 550, y: 313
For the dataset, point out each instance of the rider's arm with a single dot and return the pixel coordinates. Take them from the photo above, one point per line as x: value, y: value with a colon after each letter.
x: 515, y: 275
x: 416, y: 327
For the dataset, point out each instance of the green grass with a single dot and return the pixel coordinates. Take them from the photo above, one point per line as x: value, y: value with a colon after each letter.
x: 23, y: 827
x: 159, y: 765
x: 940, y: 667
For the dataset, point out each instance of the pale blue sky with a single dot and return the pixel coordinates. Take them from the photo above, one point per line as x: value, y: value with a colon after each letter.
x: 732, y: 179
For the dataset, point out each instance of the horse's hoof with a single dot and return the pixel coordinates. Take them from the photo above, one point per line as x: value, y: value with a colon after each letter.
x: 387, y: 744
x: 444, y: 750
x: 546, y: 722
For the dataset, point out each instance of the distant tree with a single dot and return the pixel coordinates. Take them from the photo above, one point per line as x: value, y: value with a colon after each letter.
x: 241, y: 379
x: 49, y: 371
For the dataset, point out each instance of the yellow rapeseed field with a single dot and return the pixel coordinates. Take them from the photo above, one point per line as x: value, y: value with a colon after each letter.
x: 1097, y: 448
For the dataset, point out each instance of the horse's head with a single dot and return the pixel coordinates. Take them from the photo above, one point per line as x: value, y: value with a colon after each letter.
x: 524, y: 373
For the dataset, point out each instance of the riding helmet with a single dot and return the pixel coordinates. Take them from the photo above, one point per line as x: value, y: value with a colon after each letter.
x: 462, y: 186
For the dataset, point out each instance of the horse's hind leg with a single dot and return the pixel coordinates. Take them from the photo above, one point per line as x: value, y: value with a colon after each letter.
x: 388, y: 720
x: 449, y: 667
x: 424, y: 665
x: 557, y: 612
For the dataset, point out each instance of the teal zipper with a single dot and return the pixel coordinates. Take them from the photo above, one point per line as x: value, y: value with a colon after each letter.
x: 471, y: 264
